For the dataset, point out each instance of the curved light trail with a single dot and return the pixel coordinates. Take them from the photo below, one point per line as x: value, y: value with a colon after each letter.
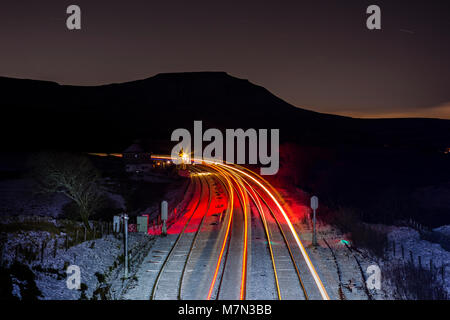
x: 237, y: 174
x: 260, y: 209
x: 222, y: 250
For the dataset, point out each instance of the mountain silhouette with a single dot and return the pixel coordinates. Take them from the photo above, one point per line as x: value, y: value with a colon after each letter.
x: 42, y: 114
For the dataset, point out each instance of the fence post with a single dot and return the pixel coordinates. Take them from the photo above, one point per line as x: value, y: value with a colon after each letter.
x: 55, y: 248
x: 85, y: 233
x: 42, y: 251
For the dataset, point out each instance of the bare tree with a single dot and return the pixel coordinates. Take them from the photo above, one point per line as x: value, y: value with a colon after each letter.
x: 72, y: 175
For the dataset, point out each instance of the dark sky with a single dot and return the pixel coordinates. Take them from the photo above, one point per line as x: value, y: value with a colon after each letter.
x: 314, y: 54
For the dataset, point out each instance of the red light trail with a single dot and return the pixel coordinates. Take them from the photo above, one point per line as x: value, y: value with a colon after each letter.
x: 243, y: 182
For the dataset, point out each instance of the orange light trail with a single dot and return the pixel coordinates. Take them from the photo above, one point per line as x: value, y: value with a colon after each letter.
x: 311, y: 268
x: 313, y: 271
x: 263, y: 218
x: 219, y: 260
x: 244, y: 256
x: 101, y: 154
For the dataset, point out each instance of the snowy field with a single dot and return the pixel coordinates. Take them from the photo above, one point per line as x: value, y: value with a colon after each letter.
x: 350, y: 274
x: 99, y: 261
x: 416, y: 247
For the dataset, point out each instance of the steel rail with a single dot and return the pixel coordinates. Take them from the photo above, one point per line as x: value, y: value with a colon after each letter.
x: 169, y: 255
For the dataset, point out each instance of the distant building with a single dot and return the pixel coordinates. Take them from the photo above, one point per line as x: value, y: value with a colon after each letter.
x: 137, y: 159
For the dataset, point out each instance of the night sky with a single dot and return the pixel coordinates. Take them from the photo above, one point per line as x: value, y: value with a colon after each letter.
x: 314, y: 54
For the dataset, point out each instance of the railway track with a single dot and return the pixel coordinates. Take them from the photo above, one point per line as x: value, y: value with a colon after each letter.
x: 215, y: 260
x: 225, y: 234
x: 233, y: 258
x: 173, y: 268
x: 345, y: 281
x: 341, y: 293
x: 194, y: 241
x: 363, y: 276
x: 284, y: 266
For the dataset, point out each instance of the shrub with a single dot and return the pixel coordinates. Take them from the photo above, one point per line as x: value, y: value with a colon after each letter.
x: 29, y: 225
x: 83, y: 288
x: 102, y: 293
x: 370, y: 238
x: 362, y: 235
x: 100, y: 277
x: 415, y: 283
x: 6, y: 285
x: 28, y: 288
x: 59, y: 275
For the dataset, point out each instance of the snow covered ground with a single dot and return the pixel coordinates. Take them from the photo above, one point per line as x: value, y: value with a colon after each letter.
x: 416, y: 247
x: 444, y: 230
x: 101, y: 258
x: 342, y: 270
x: 336, y: 265
x: 97, y: 259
